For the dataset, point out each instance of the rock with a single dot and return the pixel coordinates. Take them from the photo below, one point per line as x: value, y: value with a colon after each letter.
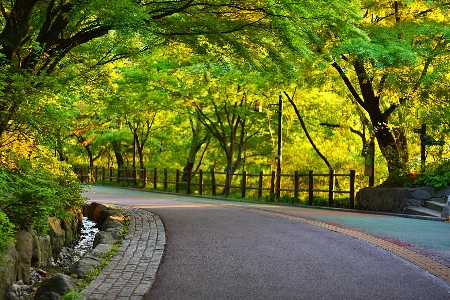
x: 49, y: 296
x: 57, y: 236
x: 446, y: 211
x: 103, y: 237
x: 382, y: 199
x: 60, y: 284
x: 422, y: 193
x: 42, y: 251
x: 70, y: 227
x: 10, y: 296
x: 86, y: 208
x: 413, y: 202
x: 395, y: 200
x: 100, y: 250
x: 36, y: 253
x: 109, y: 213
x: 8, y: 269
x: 98, y: 210
x: 85, y: 266
x: 111, y: 223
x: 24, y: 247
x: 443, y: 192
x: 90, y: 210
x: 116, y: 233
x: 45, y: 247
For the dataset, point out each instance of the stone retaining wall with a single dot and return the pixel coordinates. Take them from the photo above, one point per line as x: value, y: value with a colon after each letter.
x: 40, y: 251
x: 395, y: 200
x: 36, y: 251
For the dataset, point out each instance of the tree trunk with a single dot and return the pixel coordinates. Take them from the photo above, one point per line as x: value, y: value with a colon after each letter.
x: 117, y: 148
x: 196, y: 145
x: 392, y: 149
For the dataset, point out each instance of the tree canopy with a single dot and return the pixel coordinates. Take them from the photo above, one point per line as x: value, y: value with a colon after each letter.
x: 173, y: 83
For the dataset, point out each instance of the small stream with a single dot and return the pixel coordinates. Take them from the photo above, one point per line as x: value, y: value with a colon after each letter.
x: 67, y: 257
x: 75, y: 252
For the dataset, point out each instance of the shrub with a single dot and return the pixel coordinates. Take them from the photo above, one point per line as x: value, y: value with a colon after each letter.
x: 6, y: 233
x: 437, y: 175
x: 320, y: 201
x: 288, y: 199
x: 30, y: 193
x: 342, y: 202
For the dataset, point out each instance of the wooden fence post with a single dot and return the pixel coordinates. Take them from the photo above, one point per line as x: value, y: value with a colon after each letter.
x: 272, y: 183
x: 188, y: 183
x: 177, y: 181
x: 311, y: 187
x: 82, y: 174
x: 155, y: 178
x: 200, y: 182
x: 331, y: 186
x: 165, y: 179
x: 260, y: 184
x: 126, y: 175
x: 244, y: 184
x: 110, y: 173
x: 95, y: 173
x: 278, y: 186
x: 144, y: 177
x: 135, y: 176
x: 103, y: 173
x: 352, y: 188
x: 227, y: 183
x: 213, y: 182
x: 296, y: 183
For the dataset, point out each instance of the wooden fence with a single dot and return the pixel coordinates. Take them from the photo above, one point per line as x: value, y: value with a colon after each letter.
x: 209, y: 183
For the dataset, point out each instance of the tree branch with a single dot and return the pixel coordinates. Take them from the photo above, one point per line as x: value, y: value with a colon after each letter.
x: 297, y: 112
x: 348, y: 84
x: 210, y: 125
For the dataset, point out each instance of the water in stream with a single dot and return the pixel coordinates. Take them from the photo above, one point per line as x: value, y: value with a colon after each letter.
x: 67, y: 257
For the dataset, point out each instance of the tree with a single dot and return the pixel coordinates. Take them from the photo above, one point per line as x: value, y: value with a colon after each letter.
x: 198, y: 139
x: 230, y: 126
x: 40, y: 38
x: 226, y: 111
x: 401, y: 58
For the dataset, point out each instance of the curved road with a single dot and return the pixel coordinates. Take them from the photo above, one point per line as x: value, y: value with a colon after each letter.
x: 231, y: 250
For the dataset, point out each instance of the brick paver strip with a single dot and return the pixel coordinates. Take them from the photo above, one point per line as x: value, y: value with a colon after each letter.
x: 429, y: 265
x: 131, y: 272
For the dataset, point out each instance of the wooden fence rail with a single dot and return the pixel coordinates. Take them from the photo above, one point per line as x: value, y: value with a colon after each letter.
x: 208, y: 183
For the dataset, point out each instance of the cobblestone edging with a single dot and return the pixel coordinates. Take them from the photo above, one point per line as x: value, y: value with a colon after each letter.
x: 131, y: 272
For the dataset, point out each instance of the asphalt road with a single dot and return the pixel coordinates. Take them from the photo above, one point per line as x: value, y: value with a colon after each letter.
x: 224, y: 252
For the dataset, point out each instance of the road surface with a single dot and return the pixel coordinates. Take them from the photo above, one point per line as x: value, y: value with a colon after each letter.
x: 231, y: 250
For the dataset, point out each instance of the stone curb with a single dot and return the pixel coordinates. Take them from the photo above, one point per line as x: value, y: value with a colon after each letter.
x: 131, y: 272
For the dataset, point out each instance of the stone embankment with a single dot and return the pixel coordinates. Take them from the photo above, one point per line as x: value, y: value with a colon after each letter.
x: 396, y: 200
x: 42, y: 251
x: 111, y: 224
x: 31, y: 250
